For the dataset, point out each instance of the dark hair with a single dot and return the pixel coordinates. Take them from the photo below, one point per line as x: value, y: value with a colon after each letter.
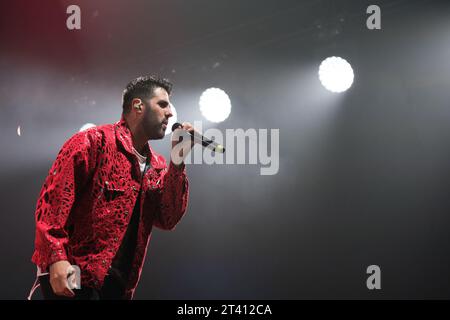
x: 143, y: 88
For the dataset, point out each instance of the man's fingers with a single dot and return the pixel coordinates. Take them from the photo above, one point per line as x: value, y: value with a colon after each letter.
x: 69, y: 292
x: 65, y: 291
x: 61, y: 288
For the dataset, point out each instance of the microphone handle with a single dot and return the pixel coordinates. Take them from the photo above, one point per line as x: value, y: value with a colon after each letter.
x: 203, y: 140
x: 207, y: 143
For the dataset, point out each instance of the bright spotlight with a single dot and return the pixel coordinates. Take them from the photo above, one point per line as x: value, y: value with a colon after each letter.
x: 336, y: 74
x: 172, y: 120
x: 87, y: 126
x: 215, y: 105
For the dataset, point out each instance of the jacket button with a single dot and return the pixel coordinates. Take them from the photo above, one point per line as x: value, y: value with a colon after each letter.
x: 134, y: 188
x: 106, y: 182
x: 104, y: 261
x: 126, y: 213
x: 116, y: 239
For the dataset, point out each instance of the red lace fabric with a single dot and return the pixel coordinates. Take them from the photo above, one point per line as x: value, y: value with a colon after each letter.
x: 87, y: 199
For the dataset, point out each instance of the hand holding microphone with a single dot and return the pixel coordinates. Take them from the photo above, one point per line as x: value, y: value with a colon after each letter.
x: 185, y: 126
x: 198, y: 138
x: 180, y: 147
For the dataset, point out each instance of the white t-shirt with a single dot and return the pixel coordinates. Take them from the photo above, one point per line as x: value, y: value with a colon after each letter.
x: 142, y: 160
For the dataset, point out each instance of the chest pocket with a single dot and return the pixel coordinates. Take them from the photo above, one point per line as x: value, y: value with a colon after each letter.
x: 111, y: 192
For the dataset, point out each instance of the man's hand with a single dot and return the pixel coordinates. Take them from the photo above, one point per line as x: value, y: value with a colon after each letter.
x: 180, y: 150
x: 58, y: 278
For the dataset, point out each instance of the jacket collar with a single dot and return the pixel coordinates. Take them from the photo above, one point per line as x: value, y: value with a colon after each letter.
x: 124, y: 136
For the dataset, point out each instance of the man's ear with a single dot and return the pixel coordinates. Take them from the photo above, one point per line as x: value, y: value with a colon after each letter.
x: 137, y: 104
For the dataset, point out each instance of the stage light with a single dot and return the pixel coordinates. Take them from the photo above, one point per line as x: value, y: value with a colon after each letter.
x: 87, y: 126
x: 336, y: 74
x: 172, y: 120
x: 215, y: 105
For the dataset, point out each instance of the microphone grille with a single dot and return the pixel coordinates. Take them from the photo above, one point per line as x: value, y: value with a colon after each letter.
x: 175, y: 126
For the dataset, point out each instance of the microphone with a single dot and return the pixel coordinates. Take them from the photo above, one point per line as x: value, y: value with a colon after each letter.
x: 207, y: 143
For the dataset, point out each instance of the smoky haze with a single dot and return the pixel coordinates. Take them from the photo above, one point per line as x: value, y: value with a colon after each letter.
x: 363, y: 176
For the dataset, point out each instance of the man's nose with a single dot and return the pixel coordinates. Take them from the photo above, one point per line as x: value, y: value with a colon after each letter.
x: 169, y: 111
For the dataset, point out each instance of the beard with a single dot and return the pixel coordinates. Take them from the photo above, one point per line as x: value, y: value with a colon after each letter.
x: 153, y: 128
x: 162, y: 133
x: 151, y: 125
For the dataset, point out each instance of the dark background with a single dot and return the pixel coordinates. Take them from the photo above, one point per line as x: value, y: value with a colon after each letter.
x: 364, y: 176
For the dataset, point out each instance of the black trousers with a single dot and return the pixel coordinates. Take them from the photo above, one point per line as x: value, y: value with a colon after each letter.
x: 112, y: 290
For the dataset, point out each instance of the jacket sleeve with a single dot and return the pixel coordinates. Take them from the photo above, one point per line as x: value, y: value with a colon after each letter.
x: 174, y: 199
x: 64, y: 181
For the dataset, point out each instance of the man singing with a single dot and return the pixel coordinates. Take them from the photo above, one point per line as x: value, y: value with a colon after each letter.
x: 105, y: 191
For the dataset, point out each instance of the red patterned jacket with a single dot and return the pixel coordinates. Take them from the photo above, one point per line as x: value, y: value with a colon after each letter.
x: 88, y: 197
